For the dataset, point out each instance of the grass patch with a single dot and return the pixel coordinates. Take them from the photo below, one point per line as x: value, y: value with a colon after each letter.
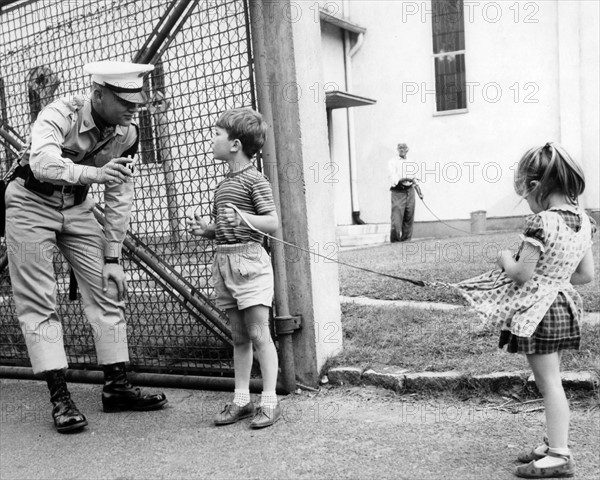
x: 428, y: 340
x: 448, y: 260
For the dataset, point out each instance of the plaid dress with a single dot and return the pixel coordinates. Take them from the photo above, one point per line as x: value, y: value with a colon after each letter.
x: 542, y: 315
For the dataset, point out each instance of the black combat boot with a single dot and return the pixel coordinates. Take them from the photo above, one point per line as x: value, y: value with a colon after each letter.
x: 118, y: 394
x: 65, y: 414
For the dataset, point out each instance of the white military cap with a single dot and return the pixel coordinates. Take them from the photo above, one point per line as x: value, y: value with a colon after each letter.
x: 124, y: 79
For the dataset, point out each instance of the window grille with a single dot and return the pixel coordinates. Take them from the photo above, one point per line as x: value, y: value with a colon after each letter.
x: 448, y: 28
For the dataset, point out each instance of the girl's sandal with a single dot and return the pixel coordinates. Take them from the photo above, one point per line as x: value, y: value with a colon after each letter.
x: 567, y: 469
x: 531, y: 455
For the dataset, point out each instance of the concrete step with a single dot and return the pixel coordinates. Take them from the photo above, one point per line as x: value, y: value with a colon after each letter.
x: 368, y: 228
x: 361, y: 235
x: 362, y: 240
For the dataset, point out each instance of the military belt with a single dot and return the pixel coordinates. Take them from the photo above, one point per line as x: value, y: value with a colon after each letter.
x: 47, y: 188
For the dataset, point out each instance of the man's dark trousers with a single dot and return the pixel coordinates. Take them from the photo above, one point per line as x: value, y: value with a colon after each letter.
x: 403, y: 214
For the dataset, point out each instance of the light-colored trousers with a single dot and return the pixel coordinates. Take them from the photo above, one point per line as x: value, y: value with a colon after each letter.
x: 35, y: 226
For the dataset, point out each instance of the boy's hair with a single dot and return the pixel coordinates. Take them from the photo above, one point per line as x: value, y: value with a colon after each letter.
x: 247, y: 126
x: 554, y: 169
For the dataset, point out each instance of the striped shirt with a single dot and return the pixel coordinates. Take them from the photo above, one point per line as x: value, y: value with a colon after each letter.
x: 250, y: 192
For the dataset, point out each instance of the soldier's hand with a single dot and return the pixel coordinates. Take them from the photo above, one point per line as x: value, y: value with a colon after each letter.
x: 118, y: 170
x: 113, y: 276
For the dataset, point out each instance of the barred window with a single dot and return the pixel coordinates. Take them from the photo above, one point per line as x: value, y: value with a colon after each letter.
x: 448, y: 28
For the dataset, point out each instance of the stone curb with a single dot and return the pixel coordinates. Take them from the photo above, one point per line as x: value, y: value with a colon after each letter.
x: 401, y: 381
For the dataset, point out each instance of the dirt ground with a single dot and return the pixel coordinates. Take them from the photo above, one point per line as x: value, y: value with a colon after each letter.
x: 338, y: 433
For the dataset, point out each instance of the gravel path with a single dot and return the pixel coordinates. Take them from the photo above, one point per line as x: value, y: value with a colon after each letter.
x: 339, y: 433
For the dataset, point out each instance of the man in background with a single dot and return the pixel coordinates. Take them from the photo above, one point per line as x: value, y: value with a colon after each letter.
x: 403, y: 197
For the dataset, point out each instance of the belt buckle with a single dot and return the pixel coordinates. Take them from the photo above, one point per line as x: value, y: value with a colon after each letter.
x: 67, y: 190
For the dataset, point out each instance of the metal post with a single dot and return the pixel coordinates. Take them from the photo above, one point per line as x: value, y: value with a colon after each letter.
x: 284, y: 322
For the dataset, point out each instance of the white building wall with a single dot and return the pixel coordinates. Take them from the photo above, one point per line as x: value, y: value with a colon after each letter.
x: 465, y: 160
x: 590, y: 101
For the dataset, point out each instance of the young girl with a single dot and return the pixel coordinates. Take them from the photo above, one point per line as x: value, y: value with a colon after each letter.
x: 533, y: 297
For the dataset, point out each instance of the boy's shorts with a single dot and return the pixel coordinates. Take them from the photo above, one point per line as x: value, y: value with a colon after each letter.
x: 243, y: 276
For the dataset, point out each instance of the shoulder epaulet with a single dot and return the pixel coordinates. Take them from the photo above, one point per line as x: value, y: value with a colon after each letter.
x: 78, y: 101
x: 72, y: 104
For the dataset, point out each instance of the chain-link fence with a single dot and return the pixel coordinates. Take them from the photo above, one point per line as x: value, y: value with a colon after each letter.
x: 201, y: 50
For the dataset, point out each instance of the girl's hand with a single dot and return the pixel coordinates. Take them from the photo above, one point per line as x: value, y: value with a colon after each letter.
x: 503, y: 257
x: 521, y: 267
x: 231, y: 216
x: 196, y: 225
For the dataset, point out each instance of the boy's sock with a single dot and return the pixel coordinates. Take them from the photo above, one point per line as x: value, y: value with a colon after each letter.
x: 268, y: 399
x: 241, y: 397
x: 550, y: 461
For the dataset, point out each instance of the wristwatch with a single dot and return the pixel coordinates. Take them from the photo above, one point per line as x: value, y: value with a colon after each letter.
x: 112, y: 260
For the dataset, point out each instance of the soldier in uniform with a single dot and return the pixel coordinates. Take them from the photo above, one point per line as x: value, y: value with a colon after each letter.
x: 76, y: 142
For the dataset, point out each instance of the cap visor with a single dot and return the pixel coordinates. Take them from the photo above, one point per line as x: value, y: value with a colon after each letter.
x: 137, y: 97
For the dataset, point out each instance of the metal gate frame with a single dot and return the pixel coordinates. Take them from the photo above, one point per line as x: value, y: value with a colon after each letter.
x: 148, y: 264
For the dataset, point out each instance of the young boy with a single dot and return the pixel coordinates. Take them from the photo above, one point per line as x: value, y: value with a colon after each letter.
x: 242, y: 271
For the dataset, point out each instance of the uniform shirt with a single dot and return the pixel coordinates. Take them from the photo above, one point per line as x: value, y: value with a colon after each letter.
x: 62, y: 135
x: 249, y: 191
x: 397, y: 172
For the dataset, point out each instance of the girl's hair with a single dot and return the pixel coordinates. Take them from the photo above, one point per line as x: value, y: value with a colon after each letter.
x: 247, y: 126
x: 555, y: 171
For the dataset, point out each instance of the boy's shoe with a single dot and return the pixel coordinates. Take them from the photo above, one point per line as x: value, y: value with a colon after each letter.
x: 567, y: 469
x: 232, y: 413
x: 266, y: 416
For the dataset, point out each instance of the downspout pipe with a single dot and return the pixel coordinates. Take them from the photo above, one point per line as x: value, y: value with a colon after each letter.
x: 349, y: 52
x: 356, y: 47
